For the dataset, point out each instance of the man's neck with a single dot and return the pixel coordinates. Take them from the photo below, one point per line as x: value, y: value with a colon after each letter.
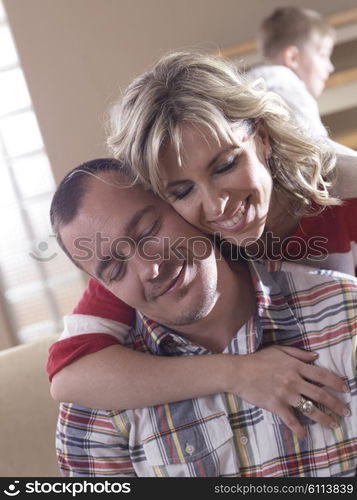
x: 234, y: 306
x: 275, y: 61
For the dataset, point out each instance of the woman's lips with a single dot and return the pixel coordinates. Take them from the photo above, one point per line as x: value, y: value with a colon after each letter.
x: 234, y: 222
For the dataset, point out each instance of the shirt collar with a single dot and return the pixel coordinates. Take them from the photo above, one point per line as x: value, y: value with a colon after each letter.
x: 273, y: 313
x: 272, y: 287
x: 162, y: 341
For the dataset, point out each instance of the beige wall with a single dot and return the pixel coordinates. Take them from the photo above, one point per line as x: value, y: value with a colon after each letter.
x: 77, y: 54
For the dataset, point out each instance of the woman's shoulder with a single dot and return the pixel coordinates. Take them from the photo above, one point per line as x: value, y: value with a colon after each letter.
x: 333, y: 220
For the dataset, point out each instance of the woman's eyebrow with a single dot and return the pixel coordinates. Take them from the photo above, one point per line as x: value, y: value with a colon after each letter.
x: 175, y: 183
x: 220, y: 153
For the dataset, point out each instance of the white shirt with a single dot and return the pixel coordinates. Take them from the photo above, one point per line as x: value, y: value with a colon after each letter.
x: 303, y: 106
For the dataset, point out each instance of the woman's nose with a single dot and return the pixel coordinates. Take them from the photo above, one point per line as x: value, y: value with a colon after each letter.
x: 214, y: 204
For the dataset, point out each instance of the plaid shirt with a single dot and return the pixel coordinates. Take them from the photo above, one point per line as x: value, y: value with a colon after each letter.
x: 222, y: 435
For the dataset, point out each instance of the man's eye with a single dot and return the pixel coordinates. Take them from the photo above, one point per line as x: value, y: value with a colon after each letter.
x: 152, y: 229
x: 117, y: 272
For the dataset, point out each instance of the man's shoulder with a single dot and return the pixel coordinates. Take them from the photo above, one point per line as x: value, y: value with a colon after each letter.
x: 80, y: 417
x: 276, y: 76
x: 304, y: 276
x: 284, y: 82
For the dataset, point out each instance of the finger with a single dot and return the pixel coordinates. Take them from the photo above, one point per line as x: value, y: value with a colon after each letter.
x: 323, y: 397
x: 287, y: 416
x: 300, y: 354
x: 323, y: 376
x: 320, y: 417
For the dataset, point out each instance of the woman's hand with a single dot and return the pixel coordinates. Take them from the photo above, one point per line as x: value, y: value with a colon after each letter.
x: 277, y: 377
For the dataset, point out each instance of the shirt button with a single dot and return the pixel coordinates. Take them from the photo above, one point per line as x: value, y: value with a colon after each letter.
x: 244, y: 440
x: 189, y: 449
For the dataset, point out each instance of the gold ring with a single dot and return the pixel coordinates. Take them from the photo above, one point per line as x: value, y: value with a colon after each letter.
x: 305, y: 406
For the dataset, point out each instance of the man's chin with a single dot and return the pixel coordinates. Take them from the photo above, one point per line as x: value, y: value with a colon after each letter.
x: 186, y: 316
x: 317, y: 91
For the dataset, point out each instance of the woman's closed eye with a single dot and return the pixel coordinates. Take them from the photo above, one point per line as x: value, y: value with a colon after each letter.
x: 181, y: 192
x: 231, y: 162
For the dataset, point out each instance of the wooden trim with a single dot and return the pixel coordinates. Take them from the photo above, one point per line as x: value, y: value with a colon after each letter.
x: 343, y: 18
x: 337, y: 20
x: 348, y: 139
x: 237, y: 50
x: 342, y: 78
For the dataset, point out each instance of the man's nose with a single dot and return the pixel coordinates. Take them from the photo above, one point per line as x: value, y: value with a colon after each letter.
x: 331, y: 67
x: 214, y: 203
x: 146, y: 267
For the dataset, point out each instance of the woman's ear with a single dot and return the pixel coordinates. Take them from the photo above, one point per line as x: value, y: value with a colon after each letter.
x: 262, y: 133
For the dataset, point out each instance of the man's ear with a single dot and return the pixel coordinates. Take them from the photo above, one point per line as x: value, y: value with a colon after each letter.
x: 290, y: 57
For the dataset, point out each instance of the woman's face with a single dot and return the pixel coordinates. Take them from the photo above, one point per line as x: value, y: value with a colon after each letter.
x: 220, y: 187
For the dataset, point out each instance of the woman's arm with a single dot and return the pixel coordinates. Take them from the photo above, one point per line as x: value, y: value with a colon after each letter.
x: 273, y: 378
x: 88, y: 372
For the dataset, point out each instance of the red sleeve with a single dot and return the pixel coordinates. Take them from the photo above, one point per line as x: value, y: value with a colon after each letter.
x: 336, y: 225
x: 64, y: 352
x: 99, y: 302
x: 351, y: 214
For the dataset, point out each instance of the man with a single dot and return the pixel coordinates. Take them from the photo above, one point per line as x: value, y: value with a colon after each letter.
x: 297, y: 44
x: 153, y: 260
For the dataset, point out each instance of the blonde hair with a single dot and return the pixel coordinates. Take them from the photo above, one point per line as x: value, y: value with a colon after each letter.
x: 291, y: 26
x: 191, y: 88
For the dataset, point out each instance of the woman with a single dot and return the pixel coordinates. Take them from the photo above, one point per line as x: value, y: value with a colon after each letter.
x: 225, y: 155
x: 190, y: 110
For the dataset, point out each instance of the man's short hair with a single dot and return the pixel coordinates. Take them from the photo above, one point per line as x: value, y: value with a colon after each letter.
x: 290, y: 26
x: 70, y: 193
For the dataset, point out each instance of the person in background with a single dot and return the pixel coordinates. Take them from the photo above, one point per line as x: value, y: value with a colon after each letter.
x: 297, y: 44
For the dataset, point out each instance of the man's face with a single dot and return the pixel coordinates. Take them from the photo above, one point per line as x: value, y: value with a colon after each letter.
x: 143, y: 252
x: 313, y: 64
